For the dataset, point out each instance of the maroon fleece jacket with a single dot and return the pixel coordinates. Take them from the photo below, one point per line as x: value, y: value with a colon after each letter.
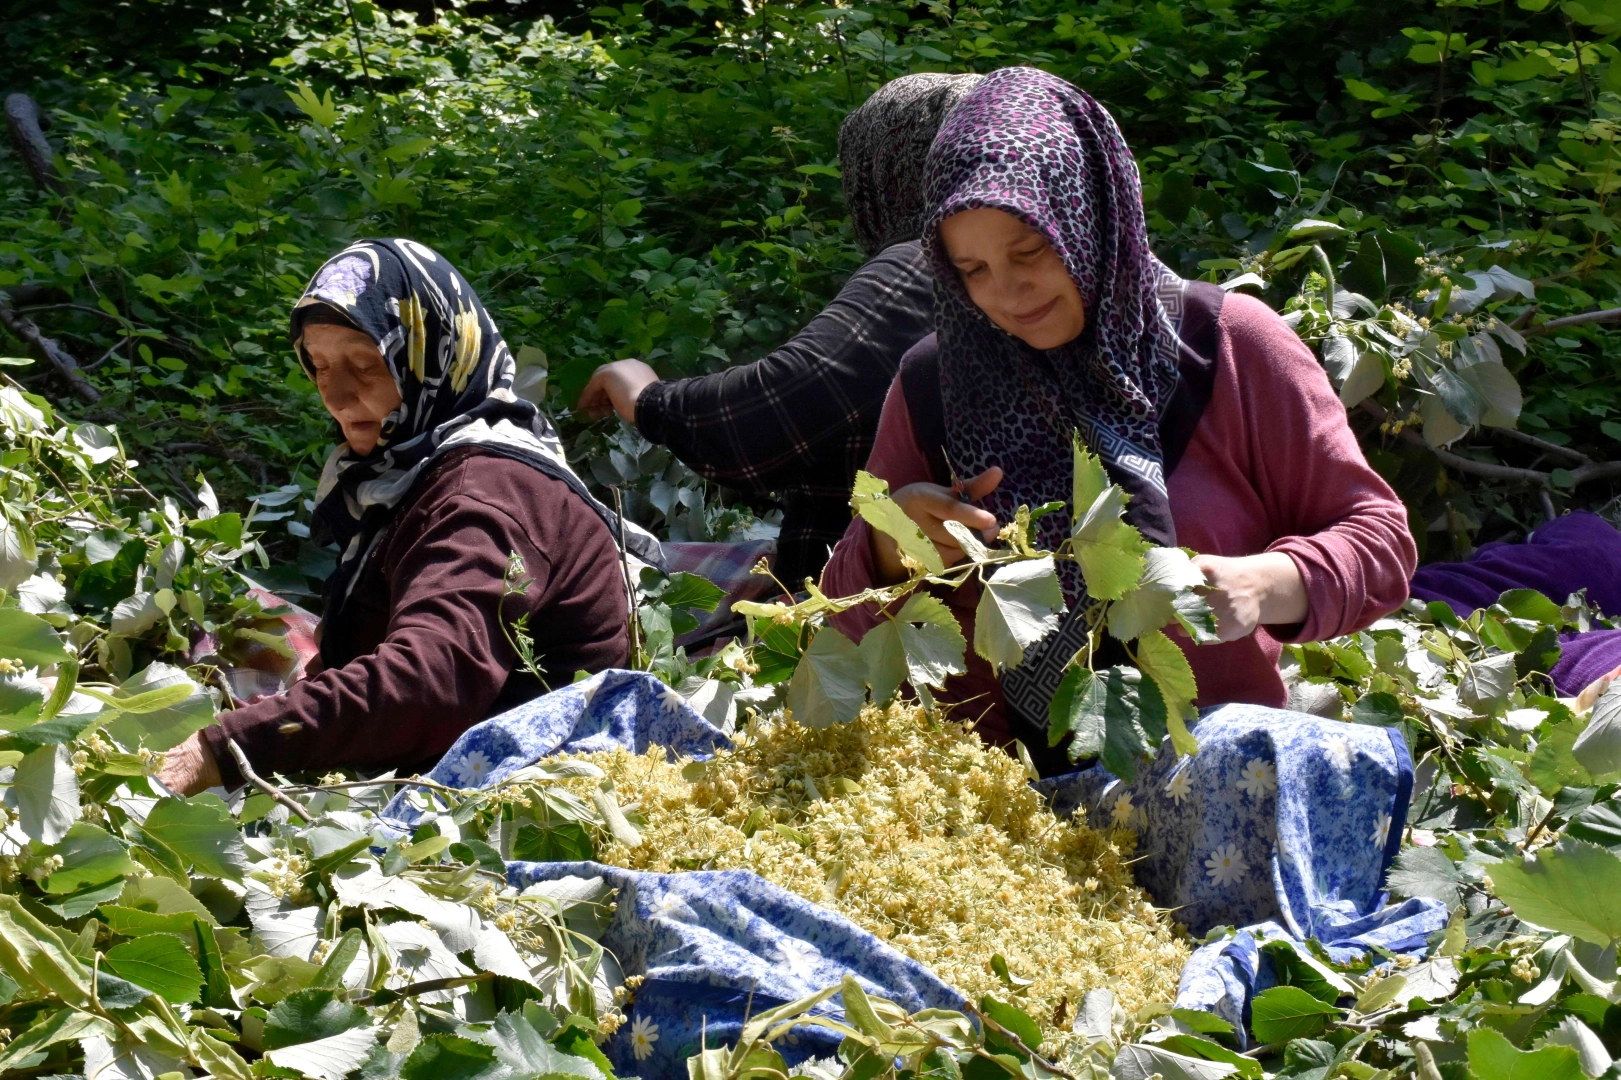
x: 419, y: 648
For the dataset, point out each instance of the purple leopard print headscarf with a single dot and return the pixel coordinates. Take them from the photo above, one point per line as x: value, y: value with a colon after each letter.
x: 1034, y: 146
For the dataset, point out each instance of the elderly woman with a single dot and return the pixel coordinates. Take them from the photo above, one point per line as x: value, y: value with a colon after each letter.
x: 444, y: 475
x: 797, y: 424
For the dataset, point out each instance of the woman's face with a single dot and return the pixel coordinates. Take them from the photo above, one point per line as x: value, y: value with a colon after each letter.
x: 1014, y: 276
x: 354, y: 382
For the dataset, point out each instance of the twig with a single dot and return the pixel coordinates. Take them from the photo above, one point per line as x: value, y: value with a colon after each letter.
x: 1018, y: 1043
x: 360, y: 44
x: 1605, y: 315
x: 310, y: 789
x: 269, y: 789
x: 630, y: 588
x: 1541, y: 444
x: 1593, y: 470
x: 64, y: 362
x: 1537, y: 828
x: 428, y: 986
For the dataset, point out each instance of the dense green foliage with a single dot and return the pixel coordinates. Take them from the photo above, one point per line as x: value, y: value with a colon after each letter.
x: 659, y: 180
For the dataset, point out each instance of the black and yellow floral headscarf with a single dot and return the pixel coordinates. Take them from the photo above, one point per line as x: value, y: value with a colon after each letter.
x: 454, y: 374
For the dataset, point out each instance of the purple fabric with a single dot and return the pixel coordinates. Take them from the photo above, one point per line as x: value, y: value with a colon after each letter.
x: 1578, y: 551
x: 1032, y: 145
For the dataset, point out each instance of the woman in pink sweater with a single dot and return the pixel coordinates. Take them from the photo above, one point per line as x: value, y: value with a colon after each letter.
x: 1212, y: 414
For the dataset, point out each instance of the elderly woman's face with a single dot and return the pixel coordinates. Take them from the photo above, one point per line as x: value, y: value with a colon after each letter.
x: 354, y: 382
x: 1014, y: 276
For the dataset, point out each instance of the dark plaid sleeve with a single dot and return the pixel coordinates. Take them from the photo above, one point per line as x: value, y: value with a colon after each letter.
x: 801, y: 420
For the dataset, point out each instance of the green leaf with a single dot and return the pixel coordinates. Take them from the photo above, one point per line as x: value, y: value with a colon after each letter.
x: 320, y: 109
x: 691, y: 591
x: 165, y: 728
x: 56, y: 1026
x: 103, y: 584
x: 1162, y: 660
x: 199, y: 830
x: 1014, y: 1019
x: 871, y: 500
x: 90, y: 856
x: 47, y: 793
x: 1111, y: 553
x: 1192, y: 1046
x: 830, y: 683
x: 931, y: 639
x: 1530, y: 604
x: 1136, y: 1061
x: 1379, y: 709
x: 1598, y: 747
x: 30, y: 639
x: 1599, y: 823
x: 1164, y: 594
x: 1017, y: 608
x: 1426, y: 871
x: 1493, y: 1057
x: 525, y: 1051
x: 36, y: 959
x: 159, y: 962
x: 450, y: 1057
x: 1116, y: 714
x: 309, y: 1015
x: 76, y: 905
x: 1554, y: 766
x: 1288, y: 1012
x: 1572, y: 888
x: 885, y: 659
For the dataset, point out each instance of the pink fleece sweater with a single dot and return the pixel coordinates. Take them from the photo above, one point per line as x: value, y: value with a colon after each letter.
x: 1272, y: 466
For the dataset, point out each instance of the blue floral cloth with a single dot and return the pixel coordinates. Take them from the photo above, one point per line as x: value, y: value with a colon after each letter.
x: 610, y: 710
x: 716, y: 947
x: 1282, y: 823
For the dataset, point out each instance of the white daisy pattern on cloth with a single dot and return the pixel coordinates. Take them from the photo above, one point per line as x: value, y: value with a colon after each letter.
x: 473, y: 769
x: 1338, y: 752
x: 1178, y: 787
x: 673, y: 699
x: 1123, y: 811
x: 643, y: 1034
x: 799, y: 957
x: 1226, y: 865
x: 1381, y: 831
x: 1260, y: 778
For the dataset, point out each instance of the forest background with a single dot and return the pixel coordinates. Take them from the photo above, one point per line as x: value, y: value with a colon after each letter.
x: 660, y: 180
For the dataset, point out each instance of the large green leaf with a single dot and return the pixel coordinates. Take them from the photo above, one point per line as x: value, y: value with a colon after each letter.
x: 1572, y: 888
x: 201, y: 832
x: 30, y: 639
x: 1162, y: 660
x: 1493, y: 1057
x: 47, y: 791
x: 527, y: 1053
x: 1598, y: 747
x: 830, y: 683
x: 159, y: 962
x: 35, y: 958
x: 885, y: 659
x: 931, y: 639
x: 1115, y: 714
x: 310, y: 1015
x: 163, y: 728
x: 871, y: 500
x: 90, y: 856
x: 1017, y: 608
x: 1137, y: 1061
x: 1288, y: 1012
x: 1164, y: 594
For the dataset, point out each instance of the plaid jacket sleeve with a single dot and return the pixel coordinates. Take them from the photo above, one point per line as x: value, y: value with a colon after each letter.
x: 800, y: 421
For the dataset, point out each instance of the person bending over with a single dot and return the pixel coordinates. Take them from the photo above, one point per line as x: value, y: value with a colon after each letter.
x: 442, y: 475
x: 797, y: 424
x: 1056, y: 318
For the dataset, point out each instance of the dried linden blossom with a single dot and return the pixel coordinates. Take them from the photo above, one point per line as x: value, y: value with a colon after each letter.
x: 922, y: 835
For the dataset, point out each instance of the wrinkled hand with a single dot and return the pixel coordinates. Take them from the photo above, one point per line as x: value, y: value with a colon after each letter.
x: 1251, y: 591
x: 931, y: 505
x: 190, y: 767
x: 615, y: 387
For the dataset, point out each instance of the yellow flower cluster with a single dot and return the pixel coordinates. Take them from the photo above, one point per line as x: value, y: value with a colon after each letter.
x: 922, y: 835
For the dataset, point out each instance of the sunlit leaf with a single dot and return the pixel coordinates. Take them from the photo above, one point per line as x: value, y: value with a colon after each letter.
x: 1018, y: 607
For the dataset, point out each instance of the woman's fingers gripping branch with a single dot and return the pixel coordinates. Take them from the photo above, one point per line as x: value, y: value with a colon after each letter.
x: 931, y: 505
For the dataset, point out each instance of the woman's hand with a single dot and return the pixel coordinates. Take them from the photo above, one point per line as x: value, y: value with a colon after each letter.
x: 615, y: 387
x: 930, y: 505
x: 1251, y: 591
x: 190, y: 767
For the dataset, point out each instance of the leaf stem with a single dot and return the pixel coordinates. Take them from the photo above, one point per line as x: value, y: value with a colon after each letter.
x: 269, y: 789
